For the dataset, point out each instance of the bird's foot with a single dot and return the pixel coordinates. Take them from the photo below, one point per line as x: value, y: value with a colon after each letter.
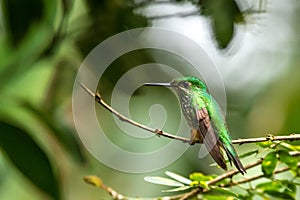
x: 195, y: 137
x: 194, y: 140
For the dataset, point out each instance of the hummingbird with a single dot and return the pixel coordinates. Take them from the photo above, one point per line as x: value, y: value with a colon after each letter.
x: 206, y: 119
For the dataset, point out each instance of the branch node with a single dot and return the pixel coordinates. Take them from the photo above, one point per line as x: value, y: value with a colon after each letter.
x: 159, y: 132
x: 122, y: 119
x: 97, y: 97
x: 270, y: 137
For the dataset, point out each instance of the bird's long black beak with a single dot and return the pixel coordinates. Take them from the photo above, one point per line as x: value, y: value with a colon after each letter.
x: 159, y: 84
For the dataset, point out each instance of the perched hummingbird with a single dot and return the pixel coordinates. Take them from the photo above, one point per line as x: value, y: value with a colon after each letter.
x: 205, y: 118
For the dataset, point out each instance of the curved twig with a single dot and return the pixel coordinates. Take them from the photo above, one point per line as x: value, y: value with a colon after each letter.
x: 157, y: 132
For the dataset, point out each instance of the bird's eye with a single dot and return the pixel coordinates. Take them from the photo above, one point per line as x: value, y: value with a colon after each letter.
x: 186, y: 84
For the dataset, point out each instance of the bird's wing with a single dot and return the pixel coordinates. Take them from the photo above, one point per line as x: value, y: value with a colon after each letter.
x: 210, y: 139
x: 225, y: 140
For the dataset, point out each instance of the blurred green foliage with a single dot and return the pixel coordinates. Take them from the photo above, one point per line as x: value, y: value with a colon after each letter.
x: 19, y: 146
x: 42, y: 44
x: 37, y: 70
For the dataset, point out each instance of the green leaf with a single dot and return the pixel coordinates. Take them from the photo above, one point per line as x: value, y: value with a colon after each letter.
x: 216, y: 197
x: 269, y: 164
x: 20, y: 16
x: 162, y: 181
x: 290, y: 146
x: 224, y: 191
x: 178, y: 189
x: 29, y: 158
x: 197, y: 176
x: 296, y: 184
x: 283, y: 189
x: 200, y: 180
x: 64, y: 134
x: 179, y: 178
x: 271, y: 185
x: 250, y: 153
x: 280, y: 195
x: 266, y: 144
x: 290, y: 189
x: 286, y: 158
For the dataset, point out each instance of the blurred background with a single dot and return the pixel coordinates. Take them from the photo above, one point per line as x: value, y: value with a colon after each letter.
x: 254, y: 44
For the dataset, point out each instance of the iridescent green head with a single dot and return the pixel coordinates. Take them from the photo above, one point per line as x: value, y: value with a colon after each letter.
x: 190, y: 81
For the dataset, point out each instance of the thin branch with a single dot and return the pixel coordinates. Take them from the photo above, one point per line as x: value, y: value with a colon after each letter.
x: 233, y: 172
x: 246, y: 180
x: 158, y: 132
x: 190, y: 194
x: 269, y: 137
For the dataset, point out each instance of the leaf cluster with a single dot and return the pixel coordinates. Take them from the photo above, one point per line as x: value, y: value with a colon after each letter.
x: 279, y: 157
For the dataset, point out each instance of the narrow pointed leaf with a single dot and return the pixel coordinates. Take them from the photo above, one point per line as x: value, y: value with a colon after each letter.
x: 179, y: 178
x: 217, y: 197
x: 269, y: 164
x: 178, y: 189
x: 250, y: 153
x: 266, y: 144
x: 290, y: 147
x: 200, y: 177
x: 271, y: 185
x: 223, y: 191
x: 162, y: 181
x: 283, y: 189
x: 28, y: 158
x: 290, y: 190
x: 289, y: 160
x: 280, y: 195
x: 296, y: 184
